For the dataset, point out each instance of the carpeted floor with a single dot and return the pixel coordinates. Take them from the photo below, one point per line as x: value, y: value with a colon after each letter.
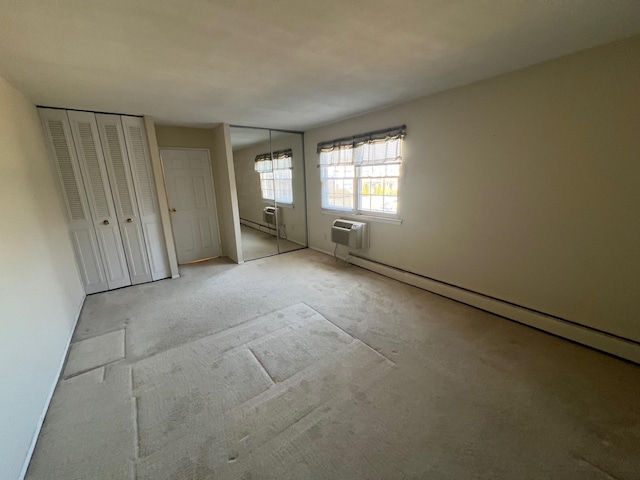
x: 298, y: 367
x: 257, y: 244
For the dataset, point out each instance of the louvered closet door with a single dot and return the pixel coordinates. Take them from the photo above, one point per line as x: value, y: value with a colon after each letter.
x: 124, y: 196
x: 96, y: 182
x: 144, y: 183
x: 83, y: 236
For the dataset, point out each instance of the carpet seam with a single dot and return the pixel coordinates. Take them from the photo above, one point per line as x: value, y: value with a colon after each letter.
x: 352, y: 336
x: 219, y: 332
x: 262, y: 365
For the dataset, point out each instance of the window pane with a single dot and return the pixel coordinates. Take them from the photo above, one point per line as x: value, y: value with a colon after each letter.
x: 393, y: 170
x: 379, y: 170
x: 337, y: 187
x: 391, y: 204
x: 348, y: 201
x: 377, y: 202
x: 378, y: 193
x: 377, y: 186
x: 391, y: 187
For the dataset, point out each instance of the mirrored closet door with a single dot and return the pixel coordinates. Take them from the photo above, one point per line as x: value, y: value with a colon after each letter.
x: 269, y: 170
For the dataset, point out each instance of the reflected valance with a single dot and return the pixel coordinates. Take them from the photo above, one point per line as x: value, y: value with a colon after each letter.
x: 281, y: 161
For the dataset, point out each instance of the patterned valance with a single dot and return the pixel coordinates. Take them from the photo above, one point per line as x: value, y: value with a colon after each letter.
x: 377, y: 136
x: 281, y: 161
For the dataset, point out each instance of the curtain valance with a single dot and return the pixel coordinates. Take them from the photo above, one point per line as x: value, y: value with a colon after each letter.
x: 382, y: 147
x: 377, y: 136
x: 281, y: 161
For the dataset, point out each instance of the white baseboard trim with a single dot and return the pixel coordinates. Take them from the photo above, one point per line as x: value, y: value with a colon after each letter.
x: 36, y: 434
x: 581, y: 334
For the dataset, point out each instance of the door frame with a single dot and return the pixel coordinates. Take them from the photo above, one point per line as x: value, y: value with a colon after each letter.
x: 213, y: 183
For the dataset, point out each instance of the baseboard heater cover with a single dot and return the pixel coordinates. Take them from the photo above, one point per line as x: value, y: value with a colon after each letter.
x: 620, y: 347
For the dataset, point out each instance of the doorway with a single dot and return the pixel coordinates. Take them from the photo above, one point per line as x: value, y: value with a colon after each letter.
x: 192, y: 203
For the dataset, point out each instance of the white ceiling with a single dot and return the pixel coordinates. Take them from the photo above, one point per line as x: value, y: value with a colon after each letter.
x: 242, y: 137
x: 291, y: 64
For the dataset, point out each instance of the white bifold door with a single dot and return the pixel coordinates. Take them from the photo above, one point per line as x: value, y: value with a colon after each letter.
x: 106, y: 179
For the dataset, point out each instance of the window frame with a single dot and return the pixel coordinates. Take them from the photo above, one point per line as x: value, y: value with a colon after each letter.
x: 325, y: 194
x: 357, y: 209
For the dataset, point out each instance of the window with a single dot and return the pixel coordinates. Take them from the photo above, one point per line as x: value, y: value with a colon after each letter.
x: 360, y: 174
x: 276, y: 179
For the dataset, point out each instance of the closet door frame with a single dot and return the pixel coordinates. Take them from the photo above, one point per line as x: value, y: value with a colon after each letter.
x: 120, y: 179
x: 87, y: 142
x: 81, y: 228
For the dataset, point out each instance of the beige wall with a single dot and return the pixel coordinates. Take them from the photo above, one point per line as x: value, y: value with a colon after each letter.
x: 40, y: 289
x: 230, y: 215
x: 524, y: 187
x: 250, y: 200
x: 213, y: 140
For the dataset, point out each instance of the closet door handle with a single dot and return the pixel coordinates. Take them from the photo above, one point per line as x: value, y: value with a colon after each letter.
x: 129, y: 220
x: 173, y: 210
x: 106, y: 222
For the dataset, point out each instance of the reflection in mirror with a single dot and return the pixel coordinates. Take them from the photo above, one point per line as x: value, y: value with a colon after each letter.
x: 290, y: 195
x: 269, y: 170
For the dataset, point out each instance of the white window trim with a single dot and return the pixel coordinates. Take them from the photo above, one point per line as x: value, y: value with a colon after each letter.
x: 349, y: 215
x: 356, y: 212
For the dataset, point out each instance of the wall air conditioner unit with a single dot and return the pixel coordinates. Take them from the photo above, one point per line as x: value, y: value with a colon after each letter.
x: 271, y: 215
x: 353, y: 234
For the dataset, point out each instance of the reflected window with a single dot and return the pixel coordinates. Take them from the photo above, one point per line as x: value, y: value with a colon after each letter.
x: 276, y: 176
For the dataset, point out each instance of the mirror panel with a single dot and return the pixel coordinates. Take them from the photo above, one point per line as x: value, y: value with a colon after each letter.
x: 290, y: 198
x: 258, y: 236
x: 270, y: 180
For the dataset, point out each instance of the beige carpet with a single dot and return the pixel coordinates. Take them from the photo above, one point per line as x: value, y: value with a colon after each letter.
x: 298, y: 367
x: 257, y: 244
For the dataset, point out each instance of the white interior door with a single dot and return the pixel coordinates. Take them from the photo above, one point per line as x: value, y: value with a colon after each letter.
x: 190, y: 191
x: 124, y: 197
x: 83, y: 235
x: 96, y: 182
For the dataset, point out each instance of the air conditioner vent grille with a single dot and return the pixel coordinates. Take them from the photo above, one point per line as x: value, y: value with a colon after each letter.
x: 352, y: 234
x: 342, y: 224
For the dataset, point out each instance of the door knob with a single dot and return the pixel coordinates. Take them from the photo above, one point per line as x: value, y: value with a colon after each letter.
x: 173, y: 210
x: 129, y: 220
x: 106, y: 222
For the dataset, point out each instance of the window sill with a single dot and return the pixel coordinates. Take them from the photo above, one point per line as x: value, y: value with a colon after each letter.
x: 360, y: 217
x: 270, y: 203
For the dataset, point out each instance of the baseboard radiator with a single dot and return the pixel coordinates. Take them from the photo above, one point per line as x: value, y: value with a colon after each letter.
x: 603, y: 341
